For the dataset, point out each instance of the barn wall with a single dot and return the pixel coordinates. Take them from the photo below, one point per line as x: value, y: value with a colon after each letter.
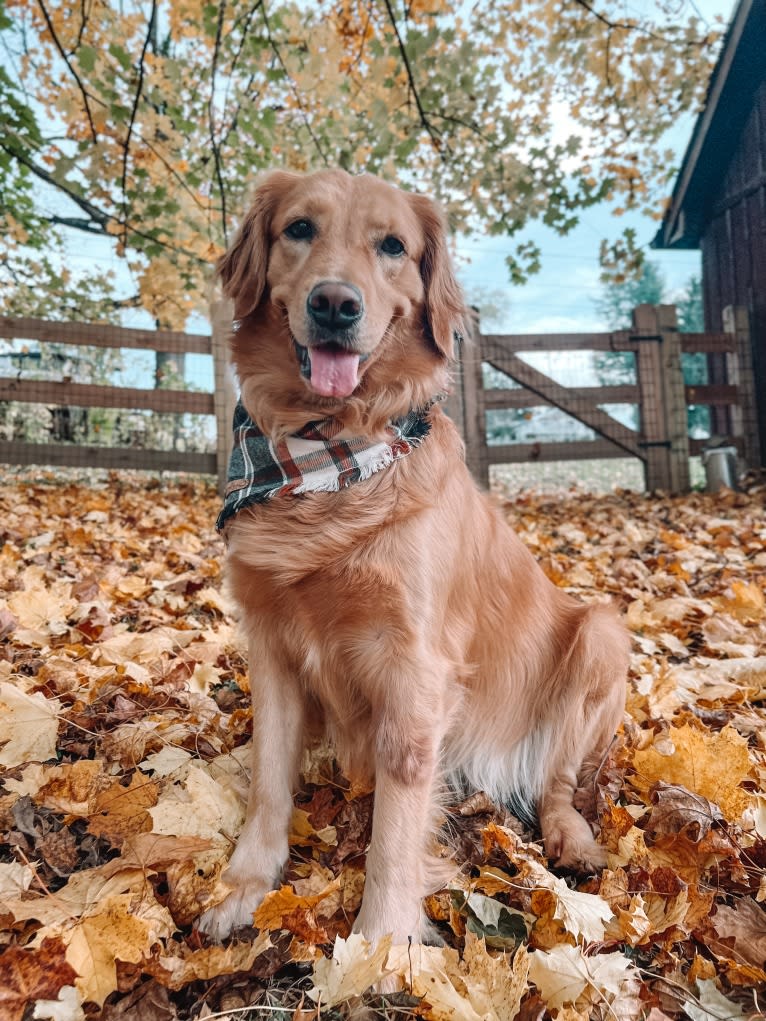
x: 734, y: 250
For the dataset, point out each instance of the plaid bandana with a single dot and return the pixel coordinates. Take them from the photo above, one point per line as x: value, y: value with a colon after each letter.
x: 319, y: 458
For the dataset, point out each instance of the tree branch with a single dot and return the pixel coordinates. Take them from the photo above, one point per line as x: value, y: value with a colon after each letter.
x: 75, y: 75
x: 77, y: 223
x: 293, y: 87
x: 626, y: 26
x: 98, y: 216
x: 211, y: 120
x: 432, y: 133
x: 134, y: 108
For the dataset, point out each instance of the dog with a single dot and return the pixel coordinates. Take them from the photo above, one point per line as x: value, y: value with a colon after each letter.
x: 385, y: 600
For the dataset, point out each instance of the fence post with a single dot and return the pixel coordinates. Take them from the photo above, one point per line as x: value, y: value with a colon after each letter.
x: 225, y: 397
x: 739, y: 371
x: 663, y: 398
x: 474, y: 419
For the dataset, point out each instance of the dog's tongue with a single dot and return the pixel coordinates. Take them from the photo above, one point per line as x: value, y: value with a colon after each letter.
x: 333, y: 373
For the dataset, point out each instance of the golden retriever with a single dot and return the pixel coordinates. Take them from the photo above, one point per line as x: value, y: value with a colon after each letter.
x: 400, y: 613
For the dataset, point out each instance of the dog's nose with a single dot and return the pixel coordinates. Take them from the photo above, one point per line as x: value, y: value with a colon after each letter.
x: 335, y: 305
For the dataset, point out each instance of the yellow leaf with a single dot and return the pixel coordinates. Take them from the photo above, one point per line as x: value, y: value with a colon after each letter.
x: 284, y: 901
x: 28, y: 726
x: 187, y: 965
x: 352, y: 969
x: 494, y: 985
x: 115, y: 932
x: 582, y: 914
x: 710, y: 764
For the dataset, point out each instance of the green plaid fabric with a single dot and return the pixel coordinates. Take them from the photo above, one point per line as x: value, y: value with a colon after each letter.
x: 321, y: 457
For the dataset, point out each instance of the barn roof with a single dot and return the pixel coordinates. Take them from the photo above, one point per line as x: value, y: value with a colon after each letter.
x: 740, y: 69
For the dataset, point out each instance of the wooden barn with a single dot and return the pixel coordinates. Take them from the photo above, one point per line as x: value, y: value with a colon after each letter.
x: 719, y: 206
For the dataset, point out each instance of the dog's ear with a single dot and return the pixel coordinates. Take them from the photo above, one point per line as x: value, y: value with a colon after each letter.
x: 445, y: 308
x: 242, y: 268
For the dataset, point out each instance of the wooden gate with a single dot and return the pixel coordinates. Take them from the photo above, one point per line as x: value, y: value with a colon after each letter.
x: 661, y: 442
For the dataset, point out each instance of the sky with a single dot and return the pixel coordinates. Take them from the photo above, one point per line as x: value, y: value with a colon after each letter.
x: 560, y: 298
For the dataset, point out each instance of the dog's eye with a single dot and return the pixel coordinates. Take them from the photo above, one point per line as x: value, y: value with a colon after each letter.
x: 391, y: 246
x: 300, y: 230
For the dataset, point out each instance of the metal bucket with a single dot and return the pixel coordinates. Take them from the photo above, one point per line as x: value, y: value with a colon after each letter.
x: 720, y: 464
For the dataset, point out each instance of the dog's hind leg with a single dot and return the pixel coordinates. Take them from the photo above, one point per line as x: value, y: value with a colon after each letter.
x: 262, y: 848
x: 591, y: 708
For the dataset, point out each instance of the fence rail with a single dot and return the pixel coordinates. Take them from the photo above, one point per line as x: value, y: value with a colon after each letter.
x: 660, y: 443
x: 67, y: 393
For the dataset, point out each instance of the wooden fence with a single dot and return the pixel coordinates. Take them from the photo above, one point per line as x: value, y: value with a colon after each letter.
x: 66, y: 393
x: 661, y: 443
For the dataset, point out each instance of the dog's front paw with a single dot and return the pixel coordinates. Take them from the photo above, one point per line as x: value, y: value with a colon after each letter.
x: 569, y: 842
x: 235, y: 911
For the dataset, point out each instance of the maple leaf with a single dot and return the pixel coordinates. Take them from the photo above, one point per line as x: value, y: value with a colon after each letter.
x: 676, y: 807
x: 494, y: 989
x: 32, y: 974
x: 116, y: 932
x: 186, y: 965
x: 28, y: 726
x: 712, y: 765
x: 582, y: 914
x: 15, y: 878
x: 122, y: 810
x: 278, y: 903
x: 353, y: 968
x: 564, y: 973
x: 217, y: 808
x: 41, y: 607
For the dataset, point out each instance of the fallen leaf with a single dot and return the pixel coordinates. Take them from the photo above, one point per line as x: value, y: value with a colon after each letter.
x: 746, y: 924
x: 712, y: 765
x: 352, y: 969
x: 712, y: 1005
x: 66, y: 1007
x: 113, y: 933
x: 563, y: 973
x: 28, y: 726
x: 29, y: 974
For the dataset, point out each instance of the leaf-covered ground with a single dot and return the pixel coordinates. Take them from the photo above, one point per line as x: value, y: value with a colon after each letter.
x: 124, y: 719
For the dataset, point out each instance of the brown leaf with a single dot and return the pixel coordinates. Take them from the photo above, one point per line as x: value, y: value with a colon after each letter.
x: 746, y: 924
x: 121, y: 811
x: 149, y: 1001
x: 676, y: 808
x: 29, y: 975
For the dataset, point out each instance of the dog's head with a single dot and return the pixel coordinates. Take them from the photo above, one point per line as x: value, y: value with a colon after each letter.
x: 353, y: 274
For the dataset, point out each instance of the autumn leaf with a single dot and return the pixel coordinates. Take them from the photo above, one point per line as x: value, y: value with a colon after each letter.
x: 494, y: 988
x: 66, y: 1007
x: 27, y: 975
x: 187, y: 966
x: 712, y: 765
x: 564, y: 973
x: 116, y: 932
x: 745, y: 924
x: 28, y: 726
x: 354, y: 966
x: 285, y: 901
x: 712, y: 1005
x: 583, y: 914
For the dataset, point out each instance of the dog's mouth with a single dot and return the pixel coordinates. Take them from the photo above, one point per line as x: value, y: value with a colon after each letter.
x: 329, y: 369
